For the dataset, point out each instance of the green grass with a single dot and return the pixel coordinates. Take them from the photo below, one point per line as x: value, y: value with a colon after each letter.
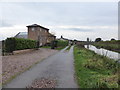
x: 46, y: 47
x: 60, y: 48
x: 68, y: 48
x: 94, y: 71
x: 60, y: 45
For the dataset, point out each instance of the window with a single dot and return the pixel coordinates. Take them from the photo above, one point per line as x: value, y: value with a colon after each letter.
x: 33, y: 29
x: 40, y: 30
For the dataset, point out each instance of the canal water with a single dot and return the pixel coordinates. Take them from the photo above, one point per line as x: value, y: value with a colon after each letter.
x: 101, y: 51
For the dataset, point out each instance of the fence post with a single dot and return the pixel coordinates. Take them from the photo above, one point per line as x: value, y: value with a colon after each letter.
x: 3, y: 47
x: 37, y: 45
x: 1, y: 65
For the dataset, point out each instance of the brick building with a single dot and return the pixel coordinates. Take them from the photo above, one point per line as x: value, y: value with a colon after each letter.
x: 38, y: 33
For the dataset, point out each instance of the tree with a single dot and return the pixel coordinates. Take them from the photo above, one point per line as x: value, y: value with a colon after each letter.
x: 112, y: 39
x: 61, y: 36
x: 87, y: 39
x: 98, y: 39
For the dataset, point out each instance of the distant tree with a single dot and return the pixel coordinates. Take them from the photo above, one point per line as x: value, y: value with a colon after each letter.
x: 75, y: 41
x: 61, y: 36
x: 112, y: 39
x: 98, y: 39
x: 87, y: 39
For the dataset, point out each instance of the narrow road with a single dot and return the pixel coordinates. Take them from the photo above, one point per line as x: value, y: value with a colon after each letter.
x: 59, y: 66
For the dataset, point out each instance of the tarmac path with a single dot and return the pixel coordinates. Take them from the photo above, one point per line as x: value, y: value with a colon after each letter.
x: 59, y: 67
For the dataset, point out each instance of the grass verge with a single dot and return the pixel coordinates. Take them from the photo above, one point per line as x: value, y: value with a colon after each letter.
x: 45, y: 47
x: 60, y: 45
x: 68, y: 48
x: 95, y: 71
x: 58, y: 48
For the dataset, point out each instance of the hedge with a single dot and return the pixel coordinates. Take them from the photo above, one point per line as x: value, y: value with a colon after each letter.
x: 12, y: 44
x: 62, y: 43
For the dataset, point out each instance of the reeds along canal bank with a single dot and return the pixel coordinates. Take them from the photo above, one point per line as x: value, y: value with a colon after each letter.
x: 95, y: 71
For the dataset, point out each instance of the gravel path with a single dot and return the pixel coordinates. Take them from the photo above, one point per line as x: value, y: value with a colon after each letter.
x: 58, y: 68
x: 13, y: 64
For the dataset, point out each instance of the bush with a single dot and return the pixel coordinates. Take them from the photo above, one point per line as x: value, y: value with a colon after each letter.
x: 59, y: 44
x: 98, y: 39
x: 12, y: 44
x: 62, y: 43
x: 54, y: 44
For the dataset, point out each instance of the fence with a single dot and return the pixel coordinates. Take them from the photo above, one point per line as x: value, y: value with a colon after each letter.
x: 3, y: 48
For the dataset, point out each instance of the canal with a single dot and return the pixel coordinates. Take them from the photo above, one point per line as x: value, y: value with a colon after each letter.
x: 102, y: 51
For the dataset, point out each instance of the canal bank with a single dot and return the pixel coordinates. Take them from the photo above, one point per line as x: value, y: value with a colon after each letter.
x: 95, y: 71
x: 113, y: 45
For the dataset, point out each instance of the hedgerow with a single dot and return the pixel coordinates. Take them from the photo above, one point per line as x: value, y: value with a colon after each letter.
x: 12, y: 44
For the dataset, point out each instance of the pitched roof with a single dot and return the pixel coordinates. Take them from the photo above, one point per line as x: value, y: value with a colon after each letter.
x: 22, y: 35
x: 51, y: 35
x: 36, y: 25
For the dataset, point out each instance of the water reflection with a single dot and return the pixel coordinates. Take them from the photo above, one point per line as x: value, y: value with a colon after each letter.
x: 101, y: 51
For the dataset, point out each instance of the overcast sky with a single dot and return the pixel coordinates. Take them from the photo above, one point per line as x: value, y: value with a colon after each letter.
x: 77, y: 20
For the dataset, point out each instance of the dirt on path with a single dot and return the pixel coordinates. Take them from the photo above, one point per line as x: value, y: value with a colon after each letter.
x: 14, y: 64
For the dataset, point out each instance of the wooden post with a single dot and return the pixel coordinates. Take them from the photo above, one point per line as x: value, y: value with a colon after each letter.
x: 3, y: 48
x: 37, y: 45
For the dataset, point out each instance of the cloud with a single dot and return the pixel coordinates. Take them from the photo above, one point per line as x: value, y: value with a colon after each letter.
x: 87, y: 28
x: 80, y: 30
x: 71, y: 32
x: 73, y: 20
x: 61, y: 13
x: 4, y: 23
x: 11, y: 31
x: 83, y: 35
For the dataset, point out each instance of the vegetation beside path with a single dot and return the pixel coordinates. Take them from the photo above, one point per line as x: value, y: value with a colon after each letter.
x: 95, y: 71
x: 68, y: 48
x: 60, y: 45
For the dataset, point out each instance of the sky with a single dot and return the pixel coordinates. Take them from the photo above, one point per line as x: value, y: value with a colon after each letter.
x: 72, y: 20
